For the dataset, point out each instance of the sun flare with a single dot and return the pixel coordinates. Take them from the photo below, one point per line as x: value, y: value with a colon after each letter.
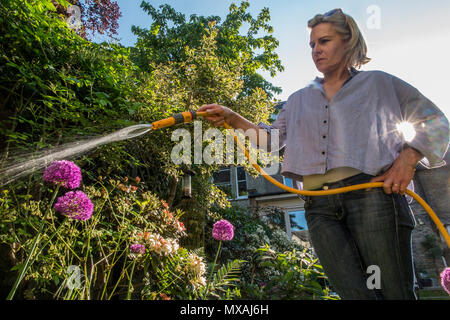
x: 407, y: 129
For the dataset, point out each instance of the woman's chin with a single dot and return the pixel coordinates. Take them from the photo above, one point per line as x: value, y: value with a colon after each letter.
x: 321, y: 70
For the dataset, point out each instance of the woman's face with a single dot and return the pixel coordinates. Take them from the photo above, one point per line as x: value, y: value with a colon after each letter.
x: 328, y: 49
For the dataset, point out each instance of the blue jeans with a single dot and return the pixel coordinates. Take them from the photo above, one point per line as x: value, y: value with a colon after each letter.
x: 354, y: 230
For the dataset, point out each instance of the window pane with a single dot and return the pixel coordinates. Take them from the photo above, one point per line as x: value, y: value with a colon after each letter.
x: 242, y: 188
x: 289, y: 182
x: 240, y: 171
x: 222, y: 176
x: 225, y: 188
x: 298, y: 221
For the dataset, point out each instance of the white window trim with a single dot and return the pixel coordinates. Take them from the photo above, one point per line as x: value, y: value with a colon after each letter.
x: 238, y: 197
x: 230, y: 197
x: 234, y: 182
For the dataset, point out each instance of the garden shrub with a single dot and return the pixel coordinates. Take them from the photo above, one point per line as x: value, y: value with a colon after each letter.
x: 55, y: 88
x: 275, y: 267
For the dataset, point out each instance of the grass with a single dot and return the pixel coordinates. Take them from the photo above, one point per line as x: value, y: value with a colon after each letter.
x: 434, y: 294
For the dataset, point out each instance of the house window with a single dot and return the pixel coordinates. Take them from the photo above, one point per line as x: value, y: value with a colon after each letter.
x: 295, y: 221
x: 232, y: 181
x: 241, y: 183
x: 288, y: 182
x: 222, y: 179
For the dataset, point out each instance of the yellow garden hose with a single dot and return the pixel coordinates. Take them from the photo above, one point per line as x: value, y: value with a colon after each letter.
x: 185, y: 117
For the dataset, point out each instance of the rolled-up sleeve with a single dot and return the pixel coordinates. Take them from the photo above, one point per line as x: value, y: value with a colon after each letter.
x: 277, y: 129
x: 430, y: 124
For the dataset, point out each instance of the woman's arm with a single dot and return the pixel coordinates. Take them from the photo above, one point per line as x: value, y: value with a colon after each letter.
x: 221, y: 114
x: 400, y: 174
x: 430, y: 141
x: 430, y: 124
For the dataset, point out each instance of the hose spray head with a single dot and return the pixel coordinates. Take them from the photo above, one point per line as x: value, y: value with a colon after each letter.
x: 183, y: 117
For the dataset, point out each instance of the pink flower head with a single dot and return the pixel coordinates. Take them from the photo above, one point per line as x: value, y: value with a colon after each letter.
x: 137, y: 248
x: 223, y: 230
x: 445, y: 279
x: 64, y: 173
x: 75, y: 205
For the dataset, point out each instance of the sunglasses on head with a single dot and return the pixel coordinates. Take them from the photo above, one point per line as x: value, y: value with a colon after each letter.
x: 332, y: 12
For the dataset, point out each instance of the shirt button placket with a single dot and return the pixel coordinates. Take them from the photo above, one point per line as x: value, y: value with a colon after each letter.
x: 324, y: 133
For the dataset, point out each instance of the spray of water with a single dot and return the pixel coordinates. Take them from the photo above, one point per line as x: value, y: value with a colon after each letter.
x: 42, y: 159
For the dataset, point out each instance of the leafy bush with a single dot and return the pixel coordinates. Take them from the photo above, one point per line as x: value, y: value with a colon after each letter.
x: 275, y: 267
x: 433, y: 246
x: 297, y: 276
x: 100, y: 248
x: 56, y: 88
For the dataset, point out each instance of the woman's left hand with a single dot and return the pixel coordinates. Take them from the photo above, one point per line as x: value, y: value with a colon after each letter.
x: 400, y: 174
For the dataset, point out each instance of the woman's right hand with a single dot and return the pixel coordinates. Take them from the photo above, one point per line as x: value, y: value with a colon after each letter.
x: 218, y: 114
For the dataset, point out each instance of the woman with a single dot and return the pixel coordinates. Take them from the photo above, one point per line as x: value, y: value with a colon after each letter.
x: 342, y: 130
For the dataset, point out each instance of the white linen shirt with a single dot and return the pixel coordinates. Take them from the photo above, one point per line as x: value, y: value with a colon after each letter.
x: 358, y: 127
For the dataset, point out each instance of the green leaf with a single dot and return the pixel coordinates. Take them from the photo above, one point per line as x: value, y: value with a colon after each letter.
x: 17, y: 267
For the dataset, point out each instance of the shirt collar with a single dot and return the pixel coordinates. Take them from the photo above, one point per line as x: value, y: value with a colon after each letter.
x: 353, y: 72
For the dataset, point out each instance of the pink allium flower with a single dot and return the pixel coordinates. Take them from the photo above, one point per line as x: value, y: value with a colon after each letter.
x: 75, y: 205
x: 223, y: 230
x: 445, y: 279
x: 64, y: 173
x: 137, y: 248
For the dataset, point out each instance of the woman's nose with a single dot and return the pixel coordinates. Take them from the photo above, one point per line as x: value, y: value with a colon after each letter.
x: 317, y: 50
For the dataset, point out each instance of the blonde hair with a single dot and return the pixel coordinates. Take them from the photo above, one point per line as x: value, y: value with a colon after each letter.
x: 347, y: 28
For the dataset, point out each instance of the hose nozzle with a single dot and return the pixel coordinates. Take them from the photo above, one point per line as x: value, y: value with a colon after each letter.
x: 183, y: 117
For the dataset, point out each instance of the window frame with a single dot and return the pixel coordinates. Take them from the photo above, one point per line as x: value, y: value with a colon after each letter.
x: 287, y: 219
x: 233, y: 183
x: 224, y: 168
x: 238, y: 197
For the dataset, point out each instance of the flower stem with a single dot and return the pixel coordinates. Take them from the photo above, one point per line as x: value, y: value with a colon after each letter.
x: 129, y: 282
x: 212, y: 269
x: 29, y: 261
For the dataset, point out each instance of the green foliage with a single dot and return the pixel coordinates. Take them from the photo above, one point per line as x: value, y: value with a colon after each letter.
x: 275, y: 267
x: 432, y: 245
x: 298, y: 276
x: 53, y: 79
x: 171, y: 35
x: 223, y: 285
x: 56, y: 87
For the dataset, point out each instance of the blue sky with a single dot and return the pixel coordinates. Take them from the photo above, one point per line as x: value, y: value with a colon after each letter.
x: 409, y: 40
